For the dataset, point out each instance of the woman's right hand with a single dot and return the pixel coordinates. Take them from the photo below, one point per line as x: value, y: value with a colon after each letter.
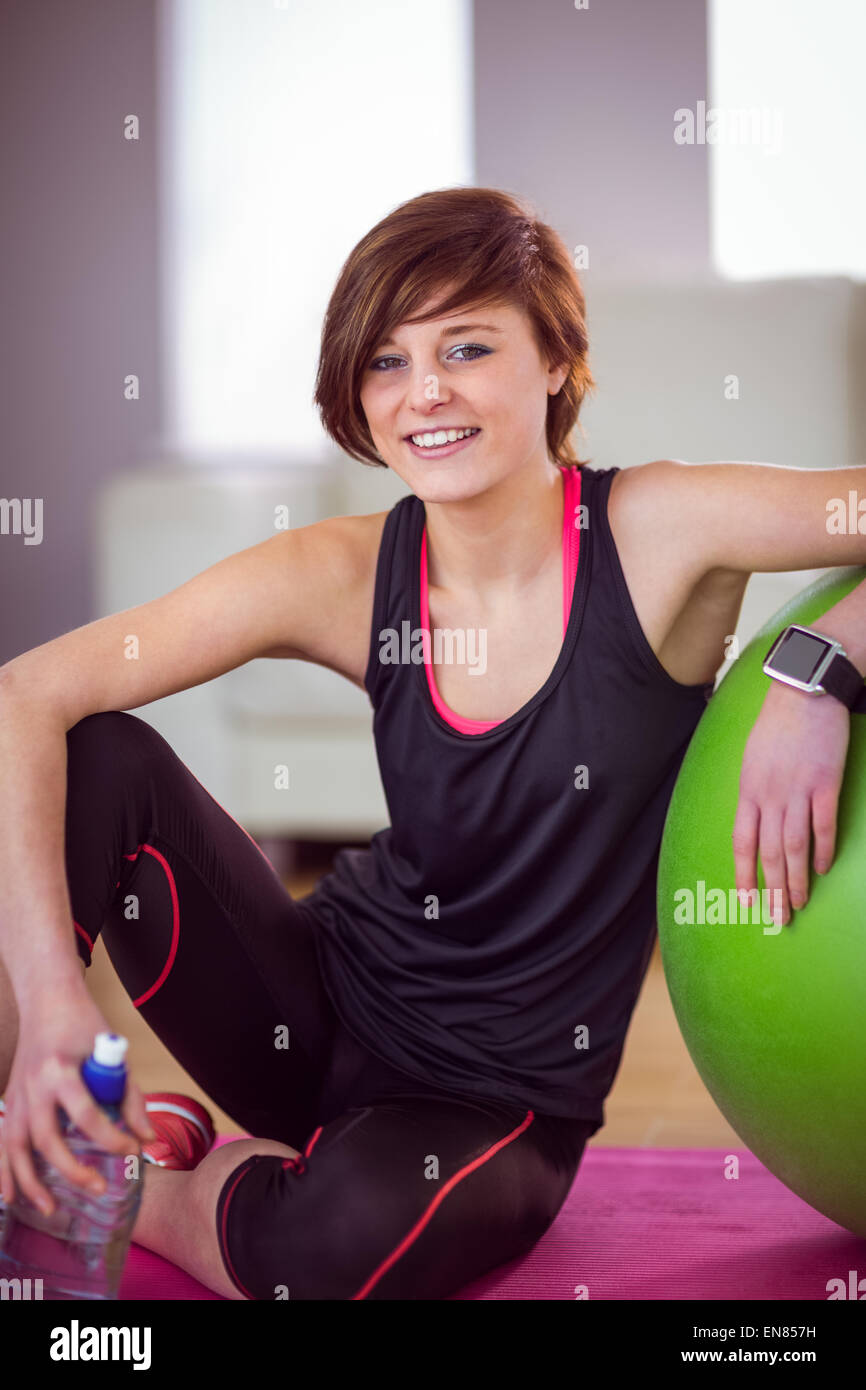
x: 55, y: 1035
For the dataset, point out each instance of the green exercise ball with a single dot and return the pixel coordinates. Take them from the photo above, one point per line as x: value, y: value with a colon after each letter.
x: 774, y: 1019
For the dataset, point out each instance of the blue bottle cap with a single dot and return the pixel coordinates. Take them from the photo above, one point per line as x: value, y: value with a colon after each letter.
x: 104, y: 1072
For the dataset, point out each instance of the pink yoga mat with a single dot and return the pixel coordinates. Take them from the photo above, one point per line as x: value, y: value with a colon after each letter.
x: 642, y: 1224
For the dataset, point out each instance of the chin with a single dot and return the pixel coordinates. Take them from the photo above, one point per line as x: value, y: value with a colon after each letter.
x: 451, y: 485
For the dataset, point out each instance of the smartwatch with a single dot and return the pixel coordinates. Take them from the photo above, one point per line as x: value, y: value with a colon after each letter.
x: 816, y: 664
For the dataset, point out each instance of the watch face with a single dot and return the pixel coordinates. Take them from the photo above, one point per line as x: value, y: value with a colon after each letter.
x: 800, y: 655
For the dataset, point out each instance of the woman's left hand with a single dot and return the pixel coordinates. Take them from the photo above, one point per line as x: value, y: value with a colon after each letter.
x: 790, y: 780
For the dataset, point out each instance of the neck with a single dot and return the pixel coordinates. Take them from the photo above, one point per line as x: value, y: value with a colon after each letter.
x: 499, y: 542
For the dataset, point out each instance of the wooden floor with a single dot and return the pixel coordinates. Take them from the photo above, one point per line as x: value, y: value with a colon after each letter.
x: 658, y: 1099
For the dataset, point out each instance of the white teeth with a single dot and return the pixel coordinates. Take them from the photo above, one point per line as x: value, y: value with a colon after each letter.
x: 431, y: 441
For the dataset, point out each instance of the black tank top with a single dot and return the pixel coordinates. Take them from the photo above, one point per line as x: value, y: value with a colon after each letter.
x: 495, y: 937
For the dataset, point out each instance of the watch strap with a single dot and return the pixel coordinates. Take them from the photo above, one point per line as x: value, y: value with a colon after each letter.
x: 843, y: 680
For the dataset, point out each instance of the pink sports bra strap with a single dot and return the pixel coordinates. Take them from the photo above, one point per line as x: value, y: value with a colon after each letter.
x: 570, y: 552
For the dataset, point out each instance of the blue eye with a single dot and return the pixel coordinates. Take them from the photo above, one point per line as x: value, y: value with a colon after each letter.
x: 463, y: 347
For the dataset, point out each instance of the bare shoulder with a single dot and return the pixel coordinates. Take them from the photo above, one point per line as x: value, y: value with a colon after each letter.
x: 662, y: 507
x: 305, y: 593
x: 349, y: 544
x: 334, y: 563
x: 685, y: 602
x: 664, y: 488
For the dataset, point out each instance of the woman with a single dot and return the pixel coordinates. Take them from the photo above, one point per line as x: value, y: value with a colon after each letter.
x: 455, y: 999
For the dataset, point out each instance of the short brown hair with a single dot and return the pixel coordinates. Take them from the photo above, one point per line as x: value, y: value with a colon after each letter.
x: 494, y: 249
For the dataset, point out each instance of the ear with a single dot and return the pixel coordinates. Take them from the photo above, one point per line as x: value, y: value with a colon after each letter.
x: 555, y: 378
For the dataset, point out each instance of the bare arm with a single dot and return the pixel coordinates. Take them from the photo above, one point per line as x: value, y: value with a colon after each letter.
x: 304, y: 594
x: 33, y: 885
x: 301, y: 594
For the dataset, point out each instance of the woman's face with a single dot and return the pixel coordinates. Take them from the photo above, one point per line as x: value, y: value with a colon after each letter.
x: 474, y: 368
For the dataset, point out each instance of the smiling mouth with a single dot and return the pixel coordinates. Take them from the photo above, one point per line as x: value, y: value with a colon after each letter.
x: 440, y: 438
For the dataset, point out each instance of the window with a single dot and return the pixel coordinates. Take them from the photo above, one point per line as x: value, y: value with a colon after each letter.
x: 288, y: 130
x: 791, y: 200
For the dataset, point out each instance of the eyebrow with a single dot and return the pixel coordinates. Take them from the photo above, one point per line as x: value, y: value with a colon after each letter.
x: 454, y: 332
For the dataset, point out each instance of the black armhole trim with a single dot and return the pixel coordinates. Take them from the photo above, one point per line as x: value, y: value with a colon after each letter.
x: 384, y: 569
x: 639, y: 639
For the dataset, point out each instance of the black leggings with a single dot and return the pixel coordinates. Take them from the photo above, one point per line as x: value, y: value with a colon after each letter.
x: 403, y: 1190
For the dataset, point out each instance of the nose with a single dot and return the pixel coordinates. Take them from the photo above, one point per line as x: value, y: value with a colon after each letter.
x: 425, y: 388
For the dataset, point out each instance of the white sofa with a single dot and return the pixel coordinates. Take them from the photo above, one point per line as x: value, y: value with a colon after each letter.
x: 660, y: 356
x: 159, y: 526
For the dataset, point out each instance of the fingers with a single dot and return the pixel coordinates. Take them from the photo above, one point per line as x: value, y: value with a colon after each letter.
x: 825, y: 802
x: 796, y: 829
x: 42, y: 1131
x: 781, y: 835
x: 135, y: 1114
x: 86, y: 1115
x: 771, y: 850
x: 46, y: 1137
x: 18, y: 1167
x: 784, y: 838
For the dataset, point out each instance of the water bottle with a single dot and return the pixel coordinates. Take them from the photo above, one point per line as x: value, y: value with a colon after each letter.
x: 78, y: 1252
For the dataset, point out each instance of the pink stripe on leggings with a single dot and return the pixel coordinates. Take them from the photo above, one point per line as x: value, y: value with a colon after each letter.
x: 440, y: 1197
x: 299, y: 1164
x: 175, y: 923
x: 224, y: 1242
x: 82, y: 932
